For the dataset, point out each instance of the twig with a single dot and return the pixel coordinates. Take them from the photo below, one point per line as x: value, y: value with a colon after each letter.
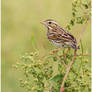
x: 80, y: 85
x: 60, y: 60
x: 68, y: 69
x: 51, y: 52
x: 80, y: 55
x: 84, y: 55
x: 85, y: 25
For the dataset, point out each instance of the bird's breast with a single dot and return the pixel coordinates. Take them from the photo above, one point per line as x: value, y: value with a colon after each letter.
x: 57, y: 44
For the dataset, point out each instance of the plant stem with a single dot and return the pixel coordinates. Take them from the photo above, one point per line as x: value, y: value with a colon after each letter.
x: 85, y: 25
x: 89, y: 83
x: 68, y: 69
x: 84, y: 55
x: 60, y: 60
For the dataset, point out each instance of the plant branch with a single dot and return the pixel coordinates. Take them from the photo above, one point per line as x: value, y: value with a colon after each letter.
x: 68, y: 69
x: 60, y: 60
x: 84, y: 55
x: 80, y: 85
x: 85, y: 25
x: 80, y: 55
x: 50, y: 53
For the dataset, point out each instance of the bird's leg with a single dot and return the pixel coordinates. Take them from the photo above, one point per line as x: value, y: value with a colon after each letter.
x: 55, y: 50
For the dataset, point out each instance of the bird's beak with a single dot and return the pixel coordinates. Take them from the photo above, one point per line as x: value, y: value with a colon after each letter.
x: 43, y: 23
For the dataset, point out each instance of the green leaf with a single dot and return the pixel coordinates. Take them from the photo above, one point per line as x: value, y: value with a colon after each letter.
x: 39, y: 90
x: 86, y: 6
x: 54, y: 59
x: 72, y: 22
x: 74, y: 10
x: 56, y: 78
x: 68, y: 27
x: 73, y: 14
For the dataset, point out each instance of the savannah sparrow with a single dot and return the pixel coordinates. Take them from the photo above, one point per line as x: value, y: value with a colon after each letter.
x: 58, y: 36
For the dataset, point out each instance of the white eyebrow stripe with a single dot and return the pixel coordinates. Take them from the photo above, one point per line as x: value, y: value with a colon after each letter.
x: 54, y: 22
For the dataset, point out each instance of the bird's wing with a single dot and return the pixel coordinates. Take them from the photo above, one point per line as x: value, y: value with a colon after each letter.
x: 63, y: 34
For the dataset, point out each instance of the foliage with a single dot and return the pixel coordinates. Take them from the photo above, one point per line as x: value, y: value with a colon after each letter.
x: 46, y: 74
x: 81, y: 12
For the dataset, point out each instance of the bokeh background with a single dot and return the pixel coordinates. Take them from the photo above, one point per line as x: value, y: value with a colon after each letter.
x: 22, y: 33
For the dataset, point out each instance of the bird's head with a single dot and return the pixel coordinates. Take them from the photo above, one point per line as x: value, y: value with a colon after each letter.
x: 50, y: 23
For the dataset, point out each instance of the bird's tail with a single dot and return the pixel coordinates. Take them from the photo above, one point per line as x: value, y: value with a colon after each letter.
x: 74, y: 46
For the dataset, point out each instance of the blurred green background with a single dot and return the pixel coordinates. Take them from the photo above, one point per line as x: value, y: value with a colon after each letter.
x: 22, y: 32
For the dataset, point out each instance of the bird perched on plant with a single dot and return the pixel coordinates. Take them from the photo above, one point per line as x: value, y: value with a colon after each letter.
x: 58, y: 36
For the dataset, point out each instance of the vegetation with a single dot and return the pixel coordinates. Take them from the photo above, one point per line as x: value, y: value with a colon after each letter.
x: 59, y: 70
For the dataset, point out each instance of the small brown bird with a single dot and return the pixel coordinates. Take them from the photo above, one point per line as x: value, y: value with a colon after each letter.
x: 58, y: 36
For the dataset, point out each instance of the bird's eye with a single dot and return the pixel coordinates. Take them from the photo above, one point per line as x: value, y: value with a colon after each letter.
x: 49, y: 22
